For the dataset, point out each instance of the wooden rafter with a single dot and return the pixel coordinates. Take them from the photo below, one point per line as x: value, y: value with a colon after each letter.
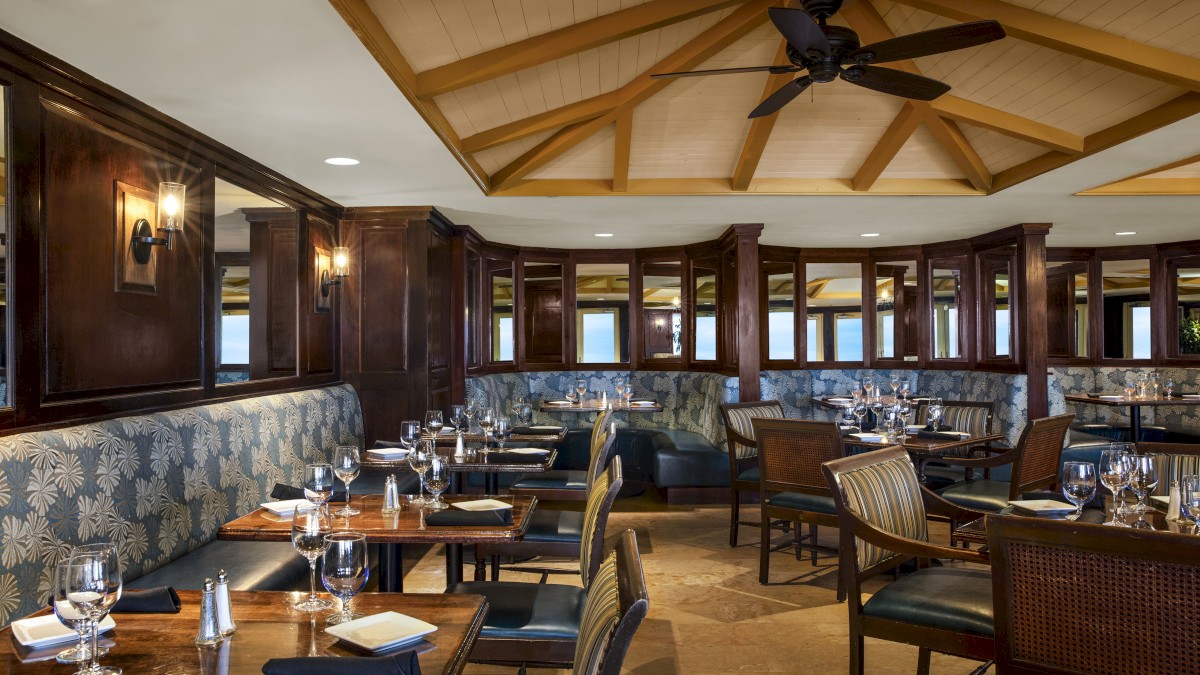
x: 358, y: 15
x: 1149, y: 183
x: 718, y: 37
x: 589, y: 187
x: 1071, y: 38
x: 962, y: 110
x: 894, y: 138
x: 550, y: 120
x: 760, y: 128
x: 565, y: 41
x: 621, y: 147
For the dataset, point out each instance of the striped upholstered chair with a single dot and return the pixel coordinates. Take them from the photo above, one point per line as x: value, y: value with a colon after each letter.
x: 743, y: 454
x: 572, y: 485
x: 616, y: 604
x: 882, y: 516
x: 1175, y: 460
x: 973, y: 417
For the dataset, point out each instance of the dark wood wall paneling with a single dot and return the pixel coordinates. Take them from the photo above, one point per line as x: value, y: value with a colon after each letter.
x: 80, y: 348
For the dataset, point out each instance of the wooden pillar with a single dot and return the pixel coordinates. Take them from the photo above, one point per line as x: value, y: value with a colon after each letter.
x: 747, y: 314
x: 1034, y: 344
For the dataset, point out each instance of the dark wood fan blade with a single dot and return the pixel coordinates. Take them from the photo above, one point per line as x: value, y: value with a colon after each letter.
x: 774, y: 70
x: 895, y: 82
x: 928, y: 42
x: 800, y: 30
x: 781, y: 97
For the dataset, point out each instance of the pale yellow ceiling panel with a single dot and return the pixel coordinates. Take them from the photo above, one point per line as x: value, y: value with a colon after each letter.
x: 494, y: 159
x: 922, y: 157
x: 827, y: 132
x: 1000, y: 152
x: 1169, y: 24
x: 593, y: 158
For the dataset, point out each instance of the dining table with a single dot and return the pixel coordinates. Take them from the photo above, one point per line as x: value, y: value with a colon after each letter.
x: 531, y: 434
x: 596, y: 405
x: 1135, y: 405
x: 267, y: 628
x: 491, y: 464
x: 392, y: 530
x: 1155, y: 517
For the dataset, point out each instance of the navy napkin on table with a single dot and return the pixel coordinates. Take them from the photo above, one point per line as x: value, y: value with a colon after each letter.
x: 156, y: 600
x: 537, y: 431
x: 389, y: 444
x: 281, y: 491
x: 501, y: 457
x: 937, y: 435
x: 846, y: 431
x: 404, y: 663
x: 941, y: 427
x: 460, y: 518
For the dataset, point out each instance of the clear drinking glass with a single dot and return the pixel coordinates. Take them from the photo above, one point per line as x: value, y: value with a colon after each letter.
x: 344, y: 571
x: 905, y: 410
x: 346, y: 466
x: 437, y: 481
x: 433, y: 422
x: 1079, y: 485
x: 419, y: 460
x: 309, y: 527
x: 580, y: 389
x: 72, y: 619
x: 868, y: 385
x: 1189, y: 499
x: 458, y: 417
x: 880, y: 423
x: 318, y: 483
x: 628, y: 394
x: 1130, y: 386
x: 1116, y: 469
x: 470, y: 410
x: 905, y: 390
x: 92, y: 586
x: 895, y: 384
x: 933, y: 413
x: 1155, y: 386
x: 501, y: 431
x: 1143, y: 383
x: 525, y: 414
x: 517, y: 402
x: 1143, y: 479
x: 487, y: 419
x: 619, y: 387
x: 859, y: 410
x: 1169, y: 388
x: 410, y: 433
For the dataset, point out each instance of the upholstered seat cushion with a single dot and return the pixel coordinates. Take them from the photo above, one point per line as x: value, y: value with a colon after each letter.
x: 528, y: 611
x: 553, y: 480
x: 981, y: 495
x: 251, y: 566
x: 803, y: 502
x: 749, y: 474
x: 555, y: 526
x: 955, y: 599
x: 688, y: 459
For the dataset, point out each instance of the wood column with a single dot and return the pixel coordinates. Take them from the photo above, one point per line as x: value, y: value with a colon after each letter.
x: 747, y: 317
x: 1034, y: 344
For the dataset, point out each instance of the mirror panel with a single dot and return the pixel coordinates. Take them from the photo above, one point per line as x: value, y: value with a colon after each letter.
x: 997, y: 317
x: 946, y: 321
x: 1067, y: 308
x: 833, y: 298
x: 602, y: 313
x: 474, y: 275
x: 895, y: 310
x: 1187, y: 307
x: 500, y: 276
x: 256, y: 256
x: 5, y: 401
x: 662, y: 314
x: 707, y: 299
x: 543, y: 332
x: 780, y: 291
x: 1126, y: 285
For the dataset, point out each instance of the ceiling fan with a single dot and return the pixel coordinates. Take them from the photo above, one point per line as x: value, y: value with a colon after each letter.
x: 829, y: 52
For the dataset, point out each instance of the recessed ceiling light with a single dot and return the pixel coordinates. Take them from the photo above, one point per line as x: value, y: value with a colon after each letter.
x: 604, y: 234
x: 1124, y: 234
x: 342, y: 161
x: 869, y: 234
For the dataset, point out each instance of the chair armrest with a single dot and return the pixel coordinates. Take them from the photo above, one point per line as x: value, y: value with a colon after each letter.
x: 1008, y: 456
x: 936, y: 504
x: 911, y: 547
x: 738, y: 438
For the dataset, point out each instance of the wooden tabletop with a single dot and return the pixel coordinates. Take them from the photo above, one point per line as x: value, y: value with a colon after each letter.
x: 927, y: 446
x: 404, y: 527
x: 976, y: 530
x: 477, y: 438
x: 1129, y: 402
x: 472, y: 462
x: 840, y: 402
x: 268, y: 628
x: 594, y: 406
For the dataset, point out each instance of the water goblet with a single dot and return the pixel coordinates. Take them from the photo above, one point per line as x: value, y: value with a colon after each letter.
x: 877, y: 406
x: 501, y: 431
x: 72, y: 619
x: 628, y: 394
x: 1143, y: 383
x: 433, y: 423
x: 458, y: 417
x: 1189, y: 500
x: 525, y: 414
x: 1155, y: 386
x: 905, y: 389
x: 346, y: 466
x: 580, y: 389
x: 410, y: 433
x: 318, y: 483
x: 92, y: 586
x: 1116, y: 469
x: 619, y: 387
x: 419, y: 460
x: 895, y: 384
x: 1079, y: 485
x: 1143, y: 480
x: 517, y: 402
x: 859, y: 410
x: 487, y: 420
x: 868, y: 385
x: 471, y: 409
x: 309, y: 527
x: 905, y: 408
x: 1130, y: 386
x: 1169, y: 388
x: 437, y: 481
x: 934, y: 410
x: 344, y: 571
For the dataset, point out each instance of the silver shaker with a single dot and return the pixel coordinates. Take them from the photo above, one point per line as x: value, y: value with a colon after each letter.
x: 209, y: 633
x: 391, y: 495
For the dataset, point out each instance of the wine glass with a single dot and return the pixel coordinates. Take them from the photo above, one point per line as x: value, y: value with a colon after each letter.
x: 517, y: 402
x: 1155, y: 385
x: 859, y: 410
x: 905, y: 410
x: 1168, y: 388
x: 628, y: 394
x: 525, y: 414
x: 410, y: 433
x: 895, y: 383
x: 318, y: 483
x: 470, y: 410
x: 91, y: 585
x: 419, y: 460
x: 72, y: 619
x: 458, y: 417
x: 580, y: 389
x: 1189, y: 499
x: 1143, y: 383
x: 501, y: 431
x: 1116, y: 469
x: 344, y: 571
x: 346, y: 466
x: 1079, y: 485
x: 487, y: 419
x: 437, y: 481
x: 433, y: 423
x: 877, y: 410
x: 1143, y: 480
x: 619, y: 387
x: 868, y: 385
x: 933, y: 413
x: 905, y: 389
x: 1130, y: 386
x: 309, y: 527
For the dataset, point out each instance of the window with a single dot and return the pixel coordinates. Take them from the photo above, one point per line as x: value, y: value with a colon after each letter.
x: 1187, y: 307
x: 780, y: 292
x: 503, y: 330
x: 235, y: 338
x: 500, y: 280
x: 662, y: 300
x: 848, y: 338
x: 1067, y: 308
x: 947, y: 287
x: 834, y: 299
x: 706, y: 301
x: 995, y: 295
x: 598, y: 336
x: 602, y: 313
x: 1139, y: 334
x: 816, y: 346
x: 781, y: 335
x: 895, y: 310
x: 1126, y: 285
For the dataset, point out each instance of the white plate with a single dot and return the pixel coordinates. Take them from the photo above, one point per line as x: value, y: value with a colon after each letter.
x: 482, y: 505
x: 381, y: 631
x: 40, y: 631
x: 1108, y: 397
x: 285, y: 507
x: 643, y: 404
x: 1042, y: 507
x: 1161, y: 500
x: 868, y: 438
x: 548, y: 427
x: 559, y: 402
x: 838, y: 400
x: 389, y: 453
x: 527, y: 451
x: 913, y: 428
x: 1189, y: 395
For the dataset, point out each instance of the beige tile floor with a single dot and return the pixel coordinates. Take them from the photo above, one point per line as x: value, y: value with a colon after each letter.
x: 708, y: 613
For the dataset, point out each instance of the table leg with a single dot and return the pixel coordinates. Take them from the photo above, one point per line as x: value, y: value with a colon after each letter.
x: 456, y: 483
x: 491, y: 483
x: 391, y: 568
x: 1135, y: 423
x: 454, y: 554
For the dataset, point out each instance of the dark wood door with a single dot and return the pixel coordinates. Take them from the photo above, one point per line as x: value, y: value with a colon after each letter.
x: 544, y: 321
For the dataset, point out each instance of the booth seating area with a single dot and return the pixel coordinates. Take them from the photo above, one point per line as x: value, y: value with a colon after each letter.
x: 160, y: 485
x: 1173, y: 424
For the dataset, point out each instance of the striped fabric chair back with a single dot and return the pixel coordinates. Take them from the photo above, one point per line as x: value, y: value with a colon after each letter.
x: 738, y: 419
x: 595, y: 519
x: 973, y: 417
x: 615, y: 606
x: 886, y: 494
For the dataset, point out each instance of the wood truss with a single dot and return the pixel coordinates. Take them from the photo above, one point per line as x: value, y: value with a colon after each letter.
x: 565, y: 127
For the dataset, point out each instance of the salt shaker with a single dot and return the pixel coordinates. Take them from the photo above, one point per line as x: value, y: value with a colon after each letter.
x: 459, y: 450
x: 225, y: 622
x: 1174, y: 502
x: 391, y: 495
x: 209, y: 633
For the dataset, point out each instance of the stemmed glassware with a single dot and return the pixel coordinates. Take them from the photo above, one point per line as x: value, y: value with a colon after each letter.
x: 525, y: 414
x: 905, y: 389
x: 501, y: 431
x: 933, y: 413
x: 1143, y: 480
x: 877, y: 407
x: 628, y: 394
x: 346, y: 466
x: 318, y: 483
x: 410, y: 433
x: 619, y: 387
x: 859, y: 410
x: 487, y: 419
x: 868, y: 385
x: 1168, y: 388
x: 458, y: 417
x: 419, y: 460
x: 1189, y: 500
x: 470, y: 411
x: 517, y: 402
x: 895, y: 383
x: 1116, y: 470
x: 72, y: 619
x: 580, y: 389
x: 433, y: 423
x: 1130, y: 386
x: 344, y: 571
x: 1143, y: 383
x: 91, y: 584
x: 1079, y: 485
x: 1154, y: 385
x: 904, y: 407
x: 437, y: 481
x: 309, y: 527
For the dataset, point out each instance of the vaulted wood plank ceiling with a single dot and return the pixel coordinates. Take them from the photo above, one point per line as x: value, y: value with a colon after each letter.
x: 537, y: 97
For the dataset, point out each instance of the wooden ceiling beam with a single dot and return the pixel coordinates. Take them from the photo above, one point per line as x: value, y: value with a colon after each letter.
x: 993, y: 119
x: 565, y: 41
x: 894, y: 138
x: 602, y: 187
x: 760, y: 128
x: 1072, y: 38
x: 550, y: 120
x: 621, y: 147
x: 722, y: 34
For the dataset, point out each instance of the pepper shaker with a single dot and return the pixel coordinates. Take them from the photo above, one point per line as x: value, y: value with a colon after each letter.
x: 209, y: 633
x: 225, y: 622
x: 1175, y: 502
x: 391, y: 495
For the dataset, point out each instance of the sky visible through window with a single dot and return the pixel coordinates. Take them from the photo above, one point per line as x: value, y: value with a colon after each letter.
x: 600, y: 338
x: 235, y: 339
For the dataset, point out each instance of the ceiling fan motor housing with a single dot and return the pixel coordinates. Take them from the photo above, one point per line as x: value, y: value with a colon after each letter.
x: 821, y: 9
x: 821, y: 68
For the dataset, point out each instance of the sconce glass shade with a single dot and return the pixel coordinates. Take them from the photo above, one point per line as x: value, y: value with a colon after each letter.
x: 341, y: 261
x: 171, y: 207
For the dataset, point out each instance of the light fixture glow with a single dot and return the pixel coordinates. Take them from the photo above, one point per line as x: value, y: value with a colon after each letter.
x: 1124, y: 234
x: 676, y: 301
x: 869, y: 234
x: 341, y: 161
x: 603, y: 234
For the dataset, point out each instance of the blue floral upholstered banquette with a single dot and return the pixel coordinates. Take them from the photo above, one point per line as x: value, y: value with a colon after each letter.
x: 160, y: 485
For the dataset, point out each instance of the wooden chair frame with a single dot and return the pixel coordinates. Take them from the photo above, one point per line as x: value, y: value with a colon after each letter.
x: 738, y: 466
x: 988, y: 426
x: 601, y: 428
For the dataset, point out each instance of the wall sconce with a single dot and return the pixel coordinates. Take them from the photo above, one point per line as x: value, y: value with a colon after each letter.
x: 171, y: 207
x: 340, y: 270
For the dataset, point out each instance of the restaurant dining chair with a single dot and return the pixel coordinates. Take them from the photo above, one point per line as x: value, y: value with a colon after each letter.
x: 552, y: 532
x: 973, y: 417
x: 1080, y: 598
x: 535, y: 623
x: 882, y: 516
x: 616, y: 604
x: 572, y: 485
x: 743, y: 454
x: 791, y: 485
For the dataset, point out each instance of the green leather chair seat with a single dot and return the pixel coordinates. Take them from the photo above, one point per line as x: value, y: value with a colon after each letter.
x: 548, y: 525
x: 803, y: 502
x: 980, y: 495
x: 955, y: 599
x: 553, y: 480
x: 749, y: 474
x: 528, y: 611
